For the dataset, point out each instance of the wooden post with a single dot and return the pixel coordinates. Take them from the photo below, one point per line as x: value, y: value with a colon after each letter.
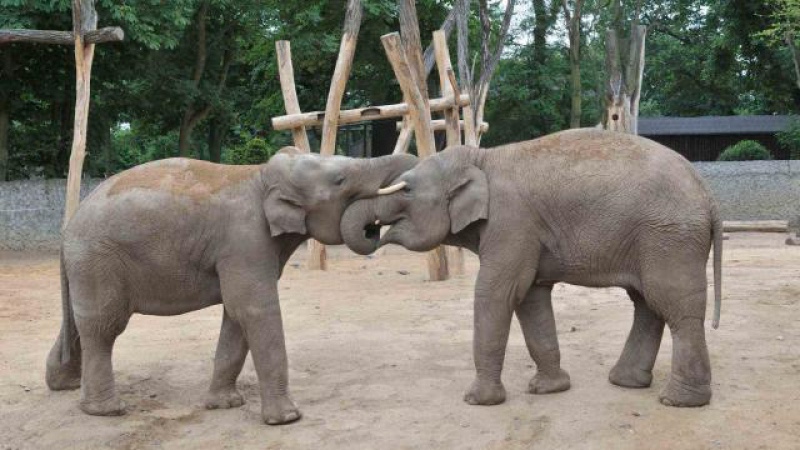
x: 421, y: 119
x: 317, y: 258
x: 317, y: 255
x: 84, y: 20
x: 455, y: 255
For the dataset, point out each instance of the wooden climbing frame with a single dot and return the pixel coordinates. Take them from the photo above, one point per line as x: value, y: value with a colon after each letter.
x: 404, y: 52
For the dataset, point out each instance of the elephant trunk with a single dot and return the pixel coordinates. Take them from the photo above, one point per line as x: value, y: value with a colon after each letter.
x: 380, y: 172
x: 360, y: 232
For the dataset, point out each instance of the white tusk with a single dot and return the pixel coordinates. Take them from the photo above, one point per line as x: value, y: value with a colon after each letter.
x: 392, y: 189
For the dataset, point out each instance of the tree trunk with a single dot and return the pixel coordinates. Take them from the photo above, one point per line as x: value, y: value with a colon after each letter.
x: 573, y: 21
x: 5, y: 119
x: 624, y: 80
x: 190, y: 116
x: 216, y: 134
x: 540, y: 33
x: 795, y: 56
x: 575, y: 78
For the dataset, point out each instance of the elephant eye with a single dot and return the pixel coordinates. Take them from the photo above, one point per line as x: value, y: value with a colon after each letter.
x: 339, y: 181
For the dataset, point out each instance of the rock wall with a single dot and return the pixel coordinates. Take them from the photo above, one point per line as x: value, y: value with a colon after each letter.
x: 31, y: 211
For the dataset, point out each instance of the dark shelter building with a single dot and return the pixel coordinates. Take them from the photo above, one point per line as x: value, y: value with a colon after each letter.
x: 704, y: 138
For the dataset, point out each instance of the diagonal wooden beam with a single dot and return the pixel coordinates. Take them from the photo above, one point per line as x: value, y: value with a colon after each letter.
x: 341, y: 73
x: 286, y: 74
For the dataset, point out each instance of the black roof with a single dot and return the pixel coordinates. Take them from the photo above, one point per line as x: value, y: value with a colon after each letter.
x: 663, y: 126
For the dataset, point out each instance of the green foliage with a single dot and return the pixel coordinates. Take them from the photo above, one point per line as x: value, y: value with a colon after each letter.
x: 133, y: 147
x: 746, y: 150
x: 254, y: 151
x: 789, y: 138
x: 703, y: 57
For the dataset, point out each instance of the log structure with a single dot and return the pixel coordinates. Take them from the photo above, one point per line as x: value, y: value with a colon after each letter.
x: 83, y: 37
x: 411, y: 67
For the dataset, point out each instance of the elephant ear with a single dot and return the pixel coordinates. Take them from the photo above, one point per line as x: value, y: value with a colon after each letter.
x: 469, y: 199
x: 284, y: 213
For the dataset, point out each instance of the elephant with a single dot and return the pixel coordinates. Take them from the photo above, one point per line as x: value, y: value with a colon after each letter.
x: 178, y: 235
x: 586, y: 207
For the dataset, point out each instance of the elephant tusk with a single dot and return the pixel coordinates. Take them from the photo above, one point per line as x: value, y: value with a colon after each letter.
x: 392, y: 189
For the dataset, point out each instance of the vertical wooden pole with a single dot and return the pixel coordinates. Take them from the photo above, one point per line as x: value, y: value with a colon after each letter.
x: 84, y: 19
x: 455, y: 255
x: 451, y: 116
x: 420, y: 114
x: 317, y: 258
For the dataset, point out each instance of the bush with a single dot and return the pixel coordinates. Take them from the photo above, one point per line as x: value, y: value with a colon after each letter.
x: 789, y: 138
x: 254, y: 151
x: 746, y: 150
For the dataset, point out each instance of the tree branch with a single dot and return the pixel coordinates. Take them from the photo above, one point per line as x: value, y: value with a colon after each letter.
x: 200, y: 62
x: 447, y: 26
x: 462, y: 17
x: 486, y: 31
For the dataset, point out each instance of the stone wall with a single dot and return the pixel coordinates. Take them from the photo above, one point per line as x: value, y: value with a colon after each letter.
x: 754, y: 190
x: 31, y: 211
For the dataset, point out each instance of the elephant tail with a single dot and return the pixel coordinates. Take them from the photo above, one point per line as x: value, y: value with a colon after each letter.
x: 64, y: 360
x: 69, y: 332
x: 716, y: 234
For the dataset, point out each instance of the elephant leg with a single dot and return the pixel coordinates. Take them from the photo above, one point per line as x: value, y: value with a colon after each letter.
x: 98, y: 393
x: 231, y: 354
x: 635, y: 366
x: 253, y: 303
x: 497, y: 291
x: 535, y: 315
x: 677, y: 293
x: 690, y: 380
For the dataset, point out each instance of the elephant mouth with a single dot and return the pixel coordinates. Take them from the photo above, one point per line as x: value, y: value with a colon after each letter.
x: 372, y: 231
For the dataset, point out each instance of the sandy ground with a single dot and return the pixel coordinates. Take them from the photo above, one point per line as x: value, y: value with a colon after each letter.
x: 379, y: 358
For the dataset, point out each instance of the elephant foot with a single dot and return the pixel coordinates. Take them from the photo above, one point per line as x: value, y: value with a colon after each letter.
x: 485, y: 393
x: 279, y: 409
x: 224, y: 399
x: 62, y: 379
x: 630, y: 377
x: 546, y: 383
x: 110, y: 407
x: 62, y: 376
x: 679, y: 393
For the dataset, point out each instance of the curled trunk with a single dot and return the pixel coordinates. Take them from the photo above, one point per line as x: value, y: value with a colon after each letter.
x: 359, y: 231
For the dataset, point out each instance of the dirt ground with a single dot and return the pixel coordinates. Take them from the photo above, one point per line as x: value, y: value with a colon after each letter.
x: 380, y: 358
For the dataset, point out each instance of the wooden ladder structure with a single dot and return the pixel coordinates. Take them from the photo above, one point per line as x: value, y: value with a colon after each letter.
x: 404, y: 52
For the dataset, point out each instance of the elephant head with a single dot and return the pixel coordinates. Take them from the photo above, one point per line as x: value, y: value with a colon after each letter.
x: 439, y: 197
x: 308, y: 193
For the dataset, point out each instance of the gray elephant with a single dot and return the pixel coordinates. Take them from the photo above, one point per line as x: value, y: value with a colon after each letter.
x: 178, y: 235
x: 585, y: 207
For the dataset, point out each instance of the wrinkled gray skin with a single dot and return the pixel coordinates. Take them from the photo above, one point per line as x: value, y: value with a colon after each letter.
x: 585, y: 207
x: 178, y: 235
